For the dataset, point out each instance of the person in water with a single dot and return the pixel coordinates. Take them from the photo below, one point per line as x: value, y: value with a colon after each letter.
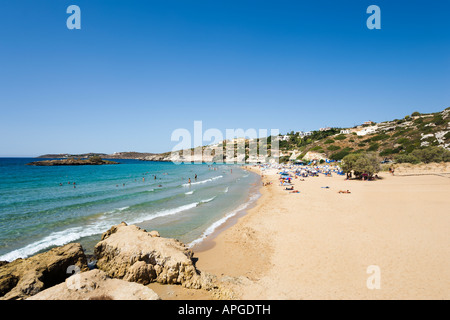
x: 189, y: 181
x: 195, y: 177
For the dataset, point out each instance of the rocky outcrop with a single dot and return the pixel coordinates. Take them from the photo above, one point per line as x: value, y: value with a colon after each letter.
x: 23, y: 278
x: 94, y: 161
x: 96, y: 285
x: 133, y: 254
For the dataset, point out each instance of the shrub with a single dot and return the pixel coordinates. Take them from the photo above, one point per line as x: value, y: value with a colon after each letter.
x: 438, y: 120
x: 333, y: 148
x: 340, y: 137
x: 402, y: 141
x: 340, y: 154
x: 380, y: 137
x: 406, y: 158
x: 415, y: 114
x: 418, y: 121
x: 386, y: 152
x: 425, y: 155
x: 317, y: 148
x: 432, y: 154
x: 329, y: 141
x: 373, y: 147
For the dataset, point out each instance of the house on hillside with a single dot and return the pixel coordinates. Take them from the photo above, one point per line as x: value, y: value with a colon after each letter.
x: 367, y: 130
x: 303, y: 134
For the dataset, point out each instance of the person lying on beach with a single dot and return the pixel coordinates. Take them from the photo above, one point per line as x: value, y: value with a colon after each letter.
x: 342, y: 191
x: 295, y: 191
x: 291, y: 188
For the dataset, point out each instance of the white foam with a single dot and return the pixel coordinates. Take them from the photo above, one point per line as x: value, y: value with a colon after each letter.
x: 201, y: 182
x: 208, y: 200
x: 221, y: 221
x: 164, y: 213
x: 58, y: 238
x: 190, y: 192
x: 61, y: 238
x: 226, y: 190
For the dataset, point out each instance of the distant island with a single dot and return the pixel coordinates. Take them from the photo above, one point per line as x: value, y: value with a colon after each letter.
x: 95, y: 160
x: 116, y: 155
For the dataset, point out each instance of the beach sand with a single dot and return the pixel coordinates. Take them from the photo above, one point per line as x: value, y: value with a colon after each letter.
x: 319, y: 244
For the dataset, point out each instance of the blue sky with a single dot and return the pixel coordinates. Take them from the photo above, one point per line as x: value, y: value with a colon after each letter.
x: 137, y: 70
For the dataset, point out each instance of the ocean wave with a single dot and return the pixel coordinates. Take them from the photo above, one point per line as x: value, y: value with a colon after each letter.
x: 221, y: 221
x: 61, y: 238
x: 207, y: 200
x: 201, y: 182
x: 58, y: 238
x: 164, y: 213
x: 190, y: 192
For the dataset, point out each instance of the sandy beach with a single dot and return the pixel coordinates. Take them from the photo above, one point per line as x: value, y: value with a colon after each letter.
x: 319, y: 243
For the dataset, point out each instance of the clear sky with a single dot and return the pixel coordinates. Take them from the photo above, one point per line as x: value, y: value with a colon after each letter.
x: 137, y: 70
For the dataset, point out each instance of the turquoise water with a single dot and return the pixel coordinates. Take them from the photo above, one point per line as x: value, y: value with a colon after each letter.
x: 41, y: 207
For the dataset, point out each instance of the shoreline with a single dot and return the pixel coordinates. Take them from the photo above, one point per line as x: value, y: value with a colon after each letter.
x: 319, y: 244
x: 208, y: 242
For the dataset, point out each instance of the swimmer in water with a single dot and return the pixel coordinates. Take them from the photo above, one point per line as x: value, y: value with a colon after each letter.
x: 189, y: 181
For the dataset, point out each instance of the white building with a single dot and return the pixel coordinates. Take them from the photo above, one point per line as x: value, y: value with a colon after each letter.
x: 303, y: 134
x: 345, y: 131
x: 367, y: 130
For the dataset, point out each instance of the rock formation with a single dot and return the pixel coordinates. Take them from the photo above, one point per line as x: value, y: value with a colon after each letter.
x: 94, y: 161
x: 133, y: 254
x: 96, y: 285
x: 23, y: 278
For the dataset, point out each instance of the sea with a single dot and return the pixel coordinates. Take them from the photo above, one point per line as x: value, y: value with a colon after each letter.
x: 43, y: 207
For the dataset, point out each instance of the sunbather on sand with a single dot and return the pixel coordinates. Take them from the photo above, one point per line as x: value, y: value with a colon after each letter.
x: 291, y: 188
x: 295, y: 191
x: 342, y: 191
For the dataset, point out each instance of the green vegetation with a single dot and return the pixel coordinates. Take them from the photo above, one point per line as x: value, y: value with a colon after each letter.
x: 340, y: 137
x: 333, y: 148
x: 361, y: 163
x: 401, y: 139
x: 425, y: 155
x: 373, y: 147
x: 341, y: 154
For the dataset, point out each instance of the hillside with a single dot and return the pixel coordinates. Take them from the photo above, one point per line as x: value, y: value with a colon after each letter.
x: 391, y: 139
x: 400, y: 140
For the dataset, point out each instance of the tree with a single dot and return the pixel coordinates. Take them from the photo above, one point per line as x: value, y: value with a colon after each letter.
x: 361, y: 163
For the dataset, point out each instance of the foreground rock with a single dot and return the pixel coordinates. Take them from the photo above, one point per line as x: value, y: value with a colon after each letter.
x: 96, y: 285
x: 133, y: 254
x: 23, y: 278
